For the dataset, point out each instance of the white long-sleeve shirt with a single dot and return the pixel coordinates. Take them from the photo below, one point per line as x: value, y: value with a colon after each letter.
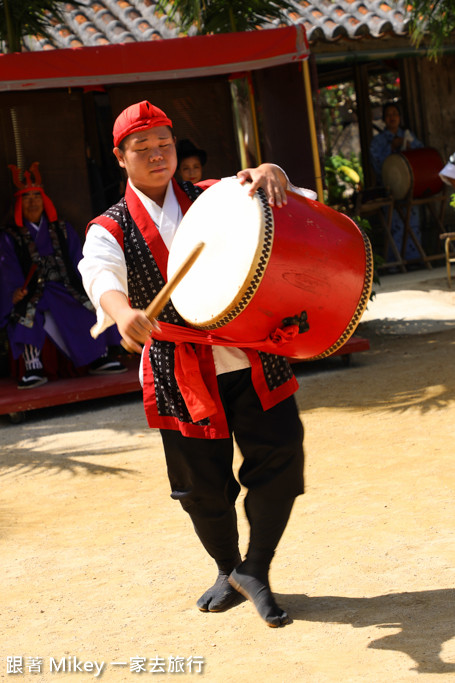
x: 103, y: 268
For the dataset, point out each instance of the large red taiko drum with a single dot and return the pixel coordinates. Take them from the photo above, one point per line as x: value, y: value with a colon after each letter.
x: 264, y: 268
x: 413, y: 172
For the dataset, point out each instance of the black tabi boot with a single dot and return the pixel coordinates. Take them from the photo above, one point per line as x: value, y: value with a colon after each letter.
x: 220, y: 538
x: 251, y: 578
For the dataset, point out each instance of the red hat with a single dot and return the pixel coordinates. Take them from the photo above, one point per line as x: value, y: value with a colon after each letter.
x: 139, y: 116
x: 30, y: 185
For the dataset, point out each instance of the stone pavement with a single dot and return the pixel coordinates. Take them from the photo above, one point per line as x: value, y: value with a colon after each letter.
x: 418, y: 302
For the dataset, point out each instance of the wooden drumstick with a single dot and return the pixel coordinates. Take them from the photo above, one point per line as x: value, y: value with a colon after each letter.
x: 161, y: 299
x: 156, y: 306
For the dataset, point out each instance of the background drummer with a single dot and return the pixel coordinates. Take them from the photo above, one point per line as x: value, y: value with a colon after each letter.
x: 392, y: 140
x: 125, y: 257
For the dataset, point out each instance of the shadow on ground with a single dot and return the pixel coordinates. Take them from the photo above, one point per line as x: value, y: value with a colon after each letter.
x: 421, y: 621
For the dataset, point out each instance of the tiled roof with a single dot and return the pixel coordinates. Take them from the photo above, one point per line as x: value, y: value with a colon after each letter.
x: 327, y: 20
x: 102, y: 22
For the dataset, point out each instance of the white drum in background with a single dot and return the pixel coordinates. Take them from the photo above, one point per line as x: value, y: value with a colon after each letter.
x: 413, y: 172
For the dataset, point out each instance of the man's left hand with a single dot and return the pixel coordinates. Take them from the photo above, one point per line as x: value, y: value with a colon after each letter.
x: 272, y: 180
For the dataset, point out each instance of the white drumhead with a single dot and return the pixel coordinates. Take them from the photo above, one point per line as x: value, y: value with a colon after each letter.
x: 396, y: 175
x: 232, y: 225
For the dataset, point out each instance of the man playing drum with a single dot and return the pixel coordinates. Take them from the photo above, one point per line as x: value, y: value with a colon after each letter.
x: 246, y: 394
x: 391, y: 140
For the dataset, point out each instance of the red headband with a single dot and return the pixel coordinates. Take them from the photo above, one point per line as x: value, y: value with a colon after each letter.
x: 139, y: 116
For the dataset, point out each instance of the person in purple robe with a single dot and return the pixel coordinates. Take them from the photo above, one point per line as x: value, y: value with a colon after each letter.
x: 41, y: 289
x: 392, y: 140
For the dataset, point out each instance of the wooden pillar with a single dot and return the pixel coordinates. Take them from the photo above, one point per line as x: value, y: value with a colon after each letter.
x: 411, y: 95
x: 364, y: 120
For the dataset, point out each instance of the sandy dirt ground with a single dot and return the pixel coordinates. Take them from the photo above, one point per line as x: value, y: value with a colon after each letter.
x: 99, y: 564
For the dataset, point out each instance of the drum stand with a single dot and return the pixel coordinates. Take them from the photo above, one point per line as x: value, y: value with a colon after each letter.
x: 448, y: 238
x: 404, y: 208
x: 366, y: 207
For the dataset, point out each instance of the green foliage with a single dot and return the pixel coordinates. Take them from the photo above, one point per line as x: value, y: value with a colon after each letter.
x: 434, y: 19
x: 337, y: 105
x: 343, y: 178
x: 20, y: 18
x: 452, y: 200
x: 224, y: 16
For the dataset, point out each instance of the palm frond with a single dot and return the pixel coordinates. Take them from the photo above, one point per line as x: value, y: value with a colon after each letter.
x: 20, y: 18
x: 432, y: 19
x: 225, y: 16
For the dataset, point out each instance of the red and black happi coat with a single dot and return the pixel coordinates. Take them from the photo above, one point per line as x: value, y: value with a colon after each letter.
x: 180, y: 385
